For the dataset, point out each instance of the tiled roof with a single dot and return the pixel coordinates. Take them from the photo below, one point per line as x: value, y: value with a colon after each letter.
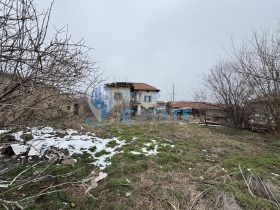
x: 135, y: 85
x: 119, y: 84
x: 192, y: 105
x: 144, y: 86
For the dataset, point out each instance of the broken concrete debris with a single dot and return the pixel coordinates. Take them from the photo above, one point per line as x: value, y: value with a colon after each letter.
x: 91, y: 181
x: 26, y: 137
x: 51, y: 154
x: 15, y: 149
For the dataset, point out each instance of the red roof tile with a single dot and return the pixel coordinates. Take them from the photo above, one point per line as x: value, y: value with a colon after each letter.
x: 191, y: 105
x: 144, y: 86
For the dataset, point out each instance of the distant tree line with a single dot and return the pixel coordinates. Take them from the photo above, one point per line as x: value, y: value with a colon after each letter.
x: 248, y: 82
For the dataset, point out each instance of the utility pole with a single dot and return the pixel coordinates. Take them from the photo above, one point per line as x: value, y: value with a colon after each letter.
x: 173, y: 93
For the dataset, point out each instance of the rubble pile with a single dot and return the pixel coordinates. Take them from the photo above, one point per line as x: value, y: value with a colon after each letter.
x: 56, y: 145
x: 26, y: 152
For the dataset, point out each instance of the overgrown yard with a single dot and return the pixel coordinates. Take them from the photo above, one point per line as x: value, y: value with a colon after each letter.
x: 158, y: 166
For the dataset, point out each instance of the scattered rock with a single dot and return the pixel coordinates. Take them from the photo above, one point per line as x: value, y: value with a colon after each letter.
x: 58, y: 155
x: 7, y: 150
x: 72, y: 205
x: 68, y: 160
x: 60, y: 134
x: 15, y: 149
x: 26, y: 137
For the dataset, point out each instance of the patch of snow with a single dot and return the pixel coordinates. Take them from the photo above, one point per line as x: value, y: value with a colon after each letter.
x: 3, y: 131
x: 134, y: 138
x: 275, y: 174
x: 17, y: 135
x: 164, y: 144
x: 135, y: 153
x: 215, y: 125
x: 150, y: 152
x: 4, y: 185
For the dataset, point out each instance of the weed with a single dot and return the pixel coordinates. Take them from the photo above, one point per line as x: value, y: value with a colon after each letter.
x: 112, y: 143
x: 102, y: 152
x: 92, y: 149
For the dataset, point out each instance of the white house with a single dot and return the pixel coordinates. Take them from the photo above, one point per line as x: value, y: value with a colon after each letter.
x: 138, y: 97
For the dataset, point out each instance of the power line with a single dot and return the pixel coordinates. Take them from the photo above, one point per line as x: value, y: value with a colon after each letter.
x: 185, y: 86
x: 177, y: 85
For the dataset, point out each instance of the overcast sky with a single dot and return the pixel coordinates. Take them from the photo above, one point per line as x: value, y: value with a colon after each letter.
x: 161, y: 42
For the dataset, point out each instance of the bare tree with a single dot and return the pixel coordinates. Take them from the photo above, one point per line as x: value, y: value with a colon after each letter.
x: 229, y: 90
x: 34, y: 70
x: 259, y: 58
x: 200, y: 95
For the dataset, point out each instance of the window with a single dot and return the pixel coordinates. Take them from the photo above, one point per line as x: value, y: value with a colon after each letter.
x: 118, y: 96
x: 132, y: 96
x: 147, y: 98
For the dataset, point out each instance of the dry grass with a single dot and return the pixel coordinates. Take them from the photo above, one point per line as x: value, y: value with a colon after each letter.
x: 165, y: 191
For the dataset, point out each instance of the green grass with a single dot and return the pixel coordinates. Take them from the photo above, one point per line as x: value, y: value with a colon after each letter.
x: 112, y: 143
x: 93, y: 149
x: 102, y: 152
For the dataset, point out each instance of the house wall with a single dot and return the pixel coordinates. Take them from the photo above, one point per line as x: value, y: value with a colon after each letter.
x: 126, y: 95
x: 131, y: 100
x: 36, y: 102
x: 118, y: 104
x: 140, y: 98
x: 161, y: 105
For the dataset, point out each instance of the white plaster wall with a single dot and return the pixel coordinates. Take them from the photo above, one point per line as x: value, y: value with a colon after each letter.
x: 125, y: 93
x: 140, y: 98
